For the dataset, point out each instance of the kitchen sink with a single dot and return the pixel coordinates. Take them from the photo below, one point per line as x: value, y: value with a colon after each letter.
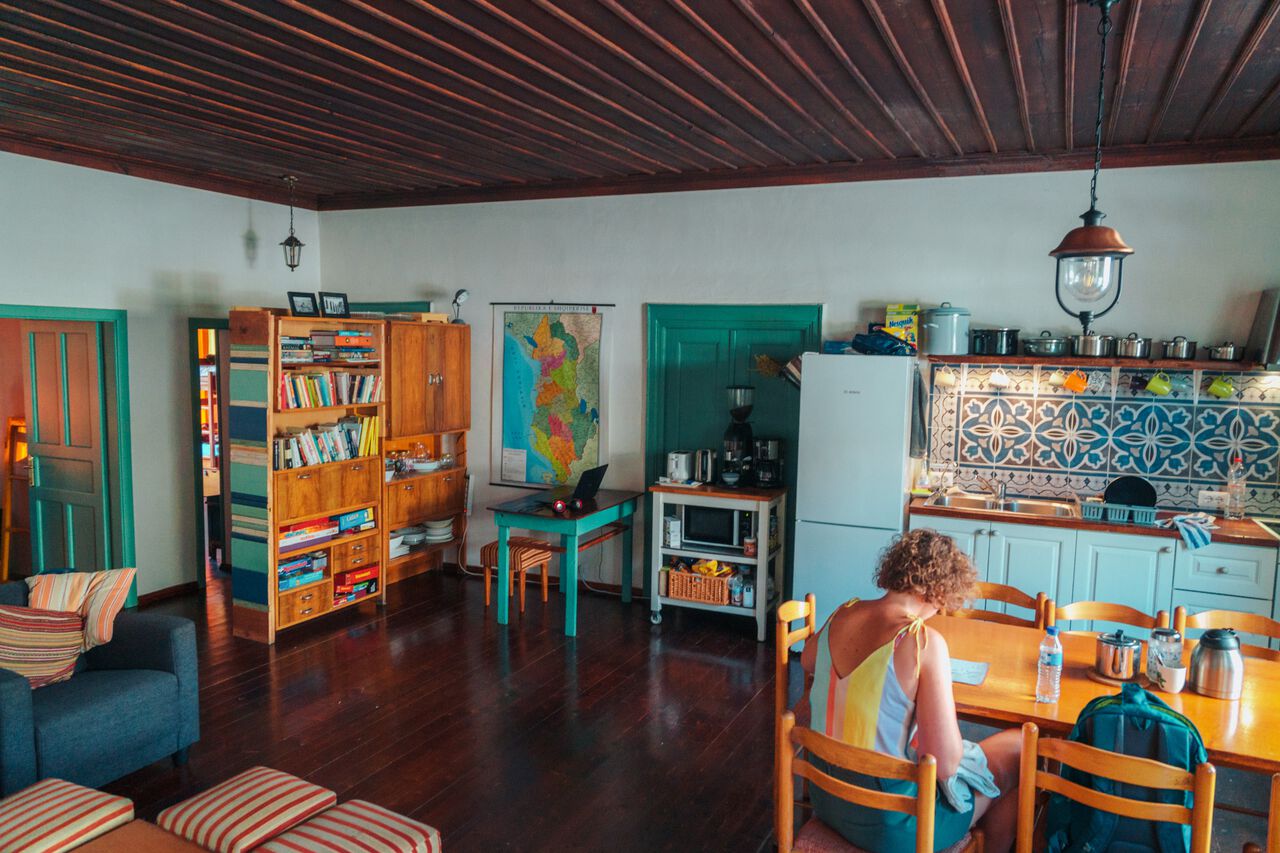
x: 1017, y: 506
x: 1027, y: 506
x: 964, y: 502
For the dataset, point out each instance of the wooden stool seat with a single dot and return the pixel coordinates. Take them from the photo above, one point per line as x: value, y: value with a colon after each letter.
x: 523, y: 553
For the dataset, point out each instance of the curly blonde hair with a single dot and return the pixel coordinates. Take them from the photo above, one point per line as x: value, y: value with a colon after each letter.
x: 926, y: 563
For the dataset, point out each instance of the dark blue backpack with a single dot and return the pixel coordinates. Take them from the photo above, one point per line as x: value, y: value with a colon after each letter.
x: 1133, y: 722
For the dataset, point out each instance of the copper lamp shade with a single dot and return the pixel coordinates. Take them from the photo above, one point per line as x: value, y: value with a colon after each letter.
x: 1092, y: 240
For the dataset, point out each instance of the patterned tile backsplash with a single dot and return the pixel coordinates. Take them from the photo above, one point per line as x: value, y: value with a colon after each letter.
x: 1018, y: 424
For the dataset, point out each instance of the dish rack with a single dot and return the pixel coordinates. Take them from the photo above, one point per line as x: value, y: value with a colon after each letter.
x: 1144, y: 516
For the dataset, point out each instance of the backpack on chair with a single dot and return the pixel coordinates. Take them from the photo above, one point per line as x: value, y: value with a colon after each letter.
x: 1134, y: 722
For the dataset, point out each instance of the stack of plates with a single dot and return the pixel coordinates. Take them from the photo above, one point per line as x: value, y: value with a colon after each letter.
x: 439, y: 531
x: 412, y: 535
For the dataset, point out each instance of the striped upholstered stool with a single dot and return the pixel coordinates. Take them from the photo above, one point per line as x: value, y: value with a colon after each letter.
x: 525, y: 553
x: 53, y: 815
x: 356, y: 825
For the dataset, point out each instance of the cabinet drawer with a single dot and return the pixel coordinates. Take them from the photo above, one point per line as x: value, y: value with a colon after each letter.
x: 302, y: 604
x: 1241, y: 570
x: 355, y: 556
x: 355, y: 482
x: 300, y: 493
x: 1198, y: 602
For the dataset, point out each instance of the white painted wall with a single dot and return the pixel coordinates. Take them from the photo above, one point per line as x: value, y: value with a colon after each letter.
x: 81, y: 237
x: 1205, y: 240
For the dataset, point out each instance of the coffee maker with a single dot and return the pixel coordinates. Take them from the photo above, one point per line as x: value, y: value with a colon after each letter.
x: 767, y: 461
x: 735, y: 461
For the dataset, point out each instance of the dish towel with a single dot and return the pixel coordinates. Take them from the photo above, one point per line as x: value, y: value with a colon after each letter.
x: 919, y: 417
x: 1194, y: 528
x: 973, y: 776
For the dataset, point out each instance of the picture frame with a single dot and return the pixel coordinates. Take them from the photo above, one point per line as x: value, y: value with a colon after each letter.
x: 303, y: 304
x: 334, y: 304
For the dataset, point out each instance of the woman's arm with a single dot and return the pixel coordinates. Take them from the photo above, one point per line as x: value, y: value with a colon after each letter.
x: 938, y: 731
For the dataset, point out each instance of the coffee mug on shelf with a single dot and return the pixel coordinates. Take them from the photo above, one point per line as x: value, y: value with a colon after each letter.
x: 1057, y: 379
x: 944, y: 378
x: 998, y: 379
x: 1076, y: 381
x: 1159, y: 384
x: 1222, y: 387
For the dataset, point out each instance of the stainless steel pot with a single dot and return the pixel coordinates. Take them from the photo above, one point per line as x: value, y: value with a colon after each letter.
x: 1045, y: 345
x: 1225, y: 352
x: 1093, y: 346
x: 1117, y: 656
x: 995, y: 341
x: 1133, y: 346
x: 1179, y: 348
x: 946, y: 330
x: 1217, y: 669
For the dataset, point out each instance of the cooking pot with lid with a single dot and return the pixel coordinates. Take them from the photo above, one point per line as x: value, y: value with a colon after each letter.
x: 1047, y: 344
x: 1179, y: 348
x: 945, y: 330
x: 1093, y: 346
x: 995, y: 341
x: 1133, y: 346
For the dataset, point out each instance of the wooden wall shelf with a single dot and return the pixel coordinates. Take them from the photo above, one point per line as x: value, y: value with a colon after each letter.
x: 1082, y: 361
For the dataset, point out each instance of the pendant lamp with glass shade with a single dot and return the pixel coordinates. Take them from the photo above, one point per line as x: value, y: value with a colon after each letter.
x: 291, y: 244
x: 1091, y: 257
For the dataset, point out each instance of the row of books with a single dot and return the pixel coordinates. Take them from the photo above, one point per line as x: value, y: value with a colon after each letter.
x: 319, y: 530
x: 302, y: 570
x: 354, y: 585
x: 349, y: 438
x: 333, y: 388
x: 325, y: 345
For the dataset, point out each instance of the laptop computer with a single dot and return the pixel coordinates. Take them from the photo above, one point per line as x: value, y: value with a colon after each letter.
x: 585, y: 489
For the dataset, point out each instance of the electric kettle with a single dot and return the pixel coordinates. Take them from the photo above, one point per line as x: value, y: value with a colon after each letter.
x: 1217, y: 669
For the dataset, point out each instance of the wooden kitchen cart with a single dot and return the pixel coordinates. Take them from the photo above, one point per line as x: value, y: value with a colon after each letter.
x: 765, y: 504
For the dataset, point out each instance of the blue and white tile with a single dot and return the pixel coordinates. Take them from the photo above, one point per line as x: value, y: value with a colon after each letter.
x: 995, y: 430
x: 1174, y: 493
x: 1151, y: 438
x: 977, y: 379
x: 1132, y: 385
x: 943, y: 404
x: 1071, y: 434
x: 1223, y: 432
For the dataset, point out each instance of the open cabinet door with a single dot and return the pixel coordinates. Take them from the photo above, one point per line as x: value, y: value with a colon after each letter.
x: 64, y: 407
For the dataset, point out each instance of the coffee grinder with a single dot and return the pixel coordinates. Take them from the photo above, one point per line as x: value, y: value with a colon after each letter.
x: 736, y: 465
x: 767, y: 461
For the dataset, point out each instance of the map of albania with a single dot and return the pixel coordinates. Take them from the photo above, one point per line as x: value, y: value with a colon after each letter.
x: 551, y: 393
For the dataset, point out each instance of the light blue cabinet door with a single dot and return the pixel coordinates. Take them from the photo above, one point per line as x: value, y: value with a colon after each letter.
x: 1032, y: 559
x: 1123, y: 569
x: 1198, y: 602
x: 969, y: 534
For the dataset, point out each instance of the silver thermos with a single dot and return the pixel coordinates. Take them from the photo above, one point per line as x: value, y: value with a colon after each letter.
x: 1217, y: 669
x: 704, y: 466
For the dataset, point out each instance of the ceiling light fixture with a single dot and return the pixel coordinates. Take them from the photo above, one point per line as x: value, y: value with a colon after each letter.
x: 1091, y: 257
x: 292, y: 245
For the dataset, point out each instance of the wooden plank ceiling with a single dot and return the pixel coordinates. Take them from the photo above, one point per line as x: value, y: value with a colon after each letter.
x: 385, y: 102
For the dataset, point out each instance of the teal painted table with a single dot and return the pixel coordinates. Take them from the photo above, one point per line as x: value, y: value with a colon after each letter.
x: 611, y: 509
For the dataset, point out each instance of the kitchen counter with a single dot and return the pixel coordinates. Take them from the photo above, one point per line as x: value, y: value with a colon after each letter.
x: 1243, y: 532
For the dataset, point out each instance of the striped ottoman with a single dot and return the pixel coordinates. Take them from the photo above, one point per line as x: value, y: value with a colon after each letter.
x: 357, y: 825
x: 523, y: 554
x: 246, y: 810
x: 53, y: 815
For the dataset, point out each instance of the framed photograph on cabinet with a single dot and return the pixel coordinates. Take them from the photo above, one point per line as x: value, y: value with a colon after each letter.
x: 334, y: 305
x: 303, y: 304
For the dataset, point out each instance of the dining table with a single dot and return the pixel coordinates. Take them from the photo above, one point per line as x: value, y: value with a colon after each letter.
x: 1242, y: 733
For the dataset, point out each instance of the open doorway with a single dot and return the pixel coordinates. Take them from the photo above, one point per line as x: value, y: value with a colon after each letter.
x: 209, y: 342
x: 15, y: 538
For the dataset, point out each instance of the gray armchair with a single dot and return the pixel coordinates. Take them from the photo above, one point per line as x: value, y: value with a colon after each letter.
x: 131, y: 702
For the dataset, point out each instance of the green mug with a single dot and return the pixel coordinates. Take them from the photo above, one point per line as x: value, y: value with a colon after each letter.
x: 1222, y: 387
x: 1159, y: 384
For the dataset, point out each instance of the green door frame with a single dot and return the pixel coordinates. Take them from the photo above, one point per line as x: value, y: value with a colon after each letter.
x: 119, y: 322
x: 659, y: 317
x: 194, y: 325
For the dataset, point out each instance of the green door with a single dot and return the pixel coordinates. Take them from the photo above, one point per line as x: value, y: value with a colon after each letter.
x: 64, y: 406
x: 694, y: 351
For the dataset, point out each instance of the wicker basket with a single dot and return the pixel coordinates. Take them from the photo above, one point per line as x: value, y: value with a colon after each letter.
x: 689, y: 586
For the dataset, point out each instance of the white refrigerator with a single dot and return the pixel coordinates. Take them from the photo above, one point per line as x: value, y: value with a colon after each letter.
x: 853, y: 473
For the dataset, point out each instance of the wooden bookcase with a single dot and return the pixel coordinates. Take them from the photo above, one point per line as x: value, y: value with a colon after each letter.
x: 425, y: 400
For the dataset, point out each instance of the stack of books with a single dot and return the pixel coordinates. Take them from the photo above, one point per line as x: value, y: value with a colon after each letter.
x: 334, y: 388
x: 300, y: 571
x: 349, y: 438
x: 295, y: 350
x: 307, y: 533
x: 354, y: 585
x: 344, y: 345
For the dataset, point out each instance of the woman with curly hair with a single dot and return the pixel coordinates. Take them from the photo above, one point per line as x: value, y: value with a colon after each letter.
x: 882, y: 681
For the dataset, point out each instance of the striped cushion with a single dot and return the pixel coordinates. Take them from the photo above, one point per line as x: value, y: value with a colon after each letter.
x: 42, y: 645
x: 357, y: 825
x: 54, y: 815
x: 246, y: 810
x: 96, y: 596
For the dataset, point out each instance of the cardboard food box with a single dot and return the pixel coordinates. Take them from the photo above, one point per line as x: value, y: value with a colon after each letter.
x: 901, y: 321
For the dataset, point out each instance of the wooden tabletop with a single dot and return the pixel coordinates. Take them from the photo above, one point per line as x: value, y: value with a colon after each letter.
x: 536, y: 505
x: 1237, y: 532
x: 712, y: 490
x: 1243, y: 734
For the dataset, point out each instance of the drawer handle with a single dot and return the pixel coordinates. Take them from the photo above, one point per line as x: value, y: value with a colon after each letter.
x: 308, y: 596
x: 357, y: 548
x: 305, y: 612
x: 408, y: 488
x: 1167, y: 549
x: 449, y: 479
x: 304, y: 476
x: 357, y: 467
x: 357, y: 561
x: 1222, y: 570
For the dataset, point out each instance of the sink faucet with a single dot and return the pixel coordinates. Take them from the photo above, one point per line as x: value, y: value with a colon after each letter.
x: 995, y: 487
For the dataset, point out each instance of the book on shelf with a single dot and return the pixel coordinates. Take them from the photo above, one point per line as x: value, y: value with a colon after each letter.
x: 355, y: 520
x: 350, y: 437
x: 294, y: 536
x: 326, y: 345
x: 330, y: 388
x: 354, y: 576
x: 294, y: 581
x: 355, y: 592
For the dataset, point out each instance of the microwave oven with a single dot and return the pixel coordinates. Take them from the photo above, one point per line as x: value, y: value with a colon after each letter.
x: 714, y: 526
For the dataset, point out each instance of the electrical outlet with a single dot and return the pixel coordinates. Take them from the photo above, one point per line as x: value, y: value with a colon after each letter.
x: 1210, y: 499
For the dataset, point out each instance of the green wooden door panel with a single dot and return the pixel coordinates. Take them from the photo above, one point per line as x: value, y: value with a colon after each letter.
x: 698, y: 368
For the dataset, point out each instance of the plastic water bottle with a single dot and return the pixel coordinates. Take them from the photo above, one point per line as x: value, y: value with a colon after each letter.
x: 1049, y: 672
x: 1235, y: 488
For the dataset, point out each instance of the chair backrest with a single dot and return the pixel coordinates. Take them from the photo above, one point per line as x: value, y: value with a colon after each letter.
x: 788, y: 612
x: 1245, y: 623
x: 984, y: 591
x: 1273, y: 822
x: 1103, y: 611
x: 1126, y: 769
x: 790, y: 736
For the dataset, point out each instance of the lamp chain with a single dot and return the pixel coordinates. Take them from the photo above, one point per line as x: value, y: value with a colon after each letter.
x: 1104, y: 30
x: 292, y: 180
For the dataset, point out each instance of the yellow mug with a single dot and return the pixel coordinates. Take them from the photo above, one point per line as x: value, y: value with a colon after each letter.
x: 1222, y: 387
x: 1076, y: 381
x: 1159, y: 384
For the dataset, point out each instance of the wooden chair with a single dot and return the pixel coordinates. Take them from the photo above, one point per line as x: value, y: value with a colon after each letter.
x: 983, y: 591
x: 1121, y: 768
x: 524, y: 554
x: 1273, y: 823
x: 816, y: 836
x: 1245, y: 623
x: 1103, y: 611
x: 785, y: 638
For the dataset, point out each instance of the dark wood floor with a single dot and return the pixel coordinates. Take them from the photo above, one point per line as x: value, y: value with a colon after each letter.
x: 631, y: 737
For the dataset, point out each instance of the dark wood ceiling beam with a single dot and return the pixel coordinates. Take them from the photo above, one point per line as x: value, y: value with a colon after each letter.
x: 904, y: 65
x: 837, y: 49
x: 1243, y: 57
x: 689, y: 62
x: 1129, y: 156
x: 636, y: 146
x: 1014, y: 54
x: 1264, y: 108
x: 630, y: 59
x: 697, y: 155
x: 798, y: 62
x: 1179, y: 69
x: 1122, y: 74
x: 1069, y: 74
x: 962, y: 68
